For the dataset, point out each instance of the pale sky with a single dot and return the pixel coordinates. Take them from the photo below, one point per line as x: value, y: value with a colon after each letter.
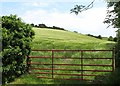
x: 57, y: 13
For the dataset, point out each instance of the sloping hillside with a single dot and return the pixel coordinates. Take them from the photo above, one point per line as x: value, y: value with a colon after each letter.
x: 59, y: 39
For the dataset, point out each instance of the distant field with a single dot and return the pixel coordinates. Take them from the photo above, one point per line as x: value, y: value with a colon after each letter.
x: 59, y: 39
x: 105, y: 38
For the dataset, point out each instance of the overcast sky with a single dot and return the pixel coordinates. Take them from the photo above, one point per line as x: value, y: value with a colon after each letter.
x: 57, y: 13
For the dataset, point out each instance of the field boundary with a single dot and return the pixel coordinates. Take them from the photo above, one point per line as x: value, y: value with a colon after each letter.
x: 81, y: 65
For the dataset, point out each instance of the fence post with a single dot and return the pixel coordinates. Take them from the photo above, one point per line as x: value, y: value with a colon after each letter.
x: 113, y: 59
x: 81, y: 64
x: 52, y: 62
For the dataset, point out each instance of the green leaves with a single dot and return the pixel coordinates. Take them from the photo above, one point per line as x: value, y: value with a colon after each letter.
x: 77, y: 9
x: 115, y: 21
x: 16, y: 39
x: 80, y: 8
x: 113, y: 16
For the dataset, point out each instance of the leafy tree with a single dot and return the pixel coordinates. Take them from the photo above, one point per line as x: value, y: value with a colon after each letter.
x: 16, y: 41
x: 79, y: 8
x: 75, y: 32
x: 58, y: 28
x: 113, y: 16
x: 117, y: 55
x: 42, y: 26
x: 35, y: 25
x: 113, y: 19
x: 115, y: 39
x: 110, y: 38
x: 99, y: 37
x: 32, y: 25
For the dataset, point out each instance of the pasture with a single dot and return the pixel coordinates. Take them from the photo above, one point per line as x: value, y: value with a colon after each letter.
x: 59, y: 39
x: 66, y: 40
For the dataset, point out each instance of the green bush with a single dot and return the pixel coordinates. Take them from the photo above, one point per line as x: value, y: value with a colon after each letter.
x: 16, y: 46
x: 112, y: 78
x: 117, y: 48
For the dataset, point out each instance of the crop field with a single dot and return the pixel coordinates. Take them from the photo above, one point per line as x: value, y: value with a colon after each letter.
x: 66, y: 40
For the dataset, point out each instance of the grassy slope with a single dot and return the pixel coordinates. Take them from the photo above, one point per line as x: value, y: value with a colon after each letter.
x: 58, y: 39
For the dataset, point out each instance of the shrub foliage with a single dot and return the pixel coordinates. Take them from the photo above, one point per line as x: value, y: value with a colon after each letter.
x: 16, y: 41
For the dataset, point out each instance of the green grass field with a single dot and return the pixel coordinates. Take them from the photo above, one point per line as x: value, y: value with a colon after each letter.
x: 58, y: 39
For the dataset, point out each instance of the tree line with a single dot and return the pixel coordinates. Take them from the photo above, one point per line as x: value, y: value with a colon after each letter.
x: 110, y: 38
x: 99, y: 36
x: 45, y: 26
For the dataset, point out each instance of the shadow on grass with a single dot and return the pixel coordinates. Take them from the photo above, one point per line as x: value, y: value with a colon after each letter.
x: 60, y: 82
x: 111, y: 79
x: 31, y: 80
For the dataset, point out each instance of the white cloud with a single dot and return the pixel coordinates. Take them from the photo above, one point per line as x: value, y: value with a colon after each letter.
x: 37, y: 4
x: 48, y: 0
x: 90, y: 21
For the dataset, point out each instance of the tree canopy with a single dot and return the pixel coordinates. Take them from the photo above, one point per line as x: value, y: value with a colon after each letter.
x: 16, y: 41
x: 113, y: 16
x: 79, y: 8
x: 113, y: 19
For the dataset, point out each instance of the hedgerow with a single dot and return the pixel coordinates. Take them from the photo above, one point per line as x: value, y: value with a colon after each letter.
x: 16, y: 46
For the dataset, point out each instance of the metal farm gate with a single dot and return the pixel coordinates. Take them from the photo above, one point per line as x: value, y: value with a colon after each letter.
x: 70, y: 64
